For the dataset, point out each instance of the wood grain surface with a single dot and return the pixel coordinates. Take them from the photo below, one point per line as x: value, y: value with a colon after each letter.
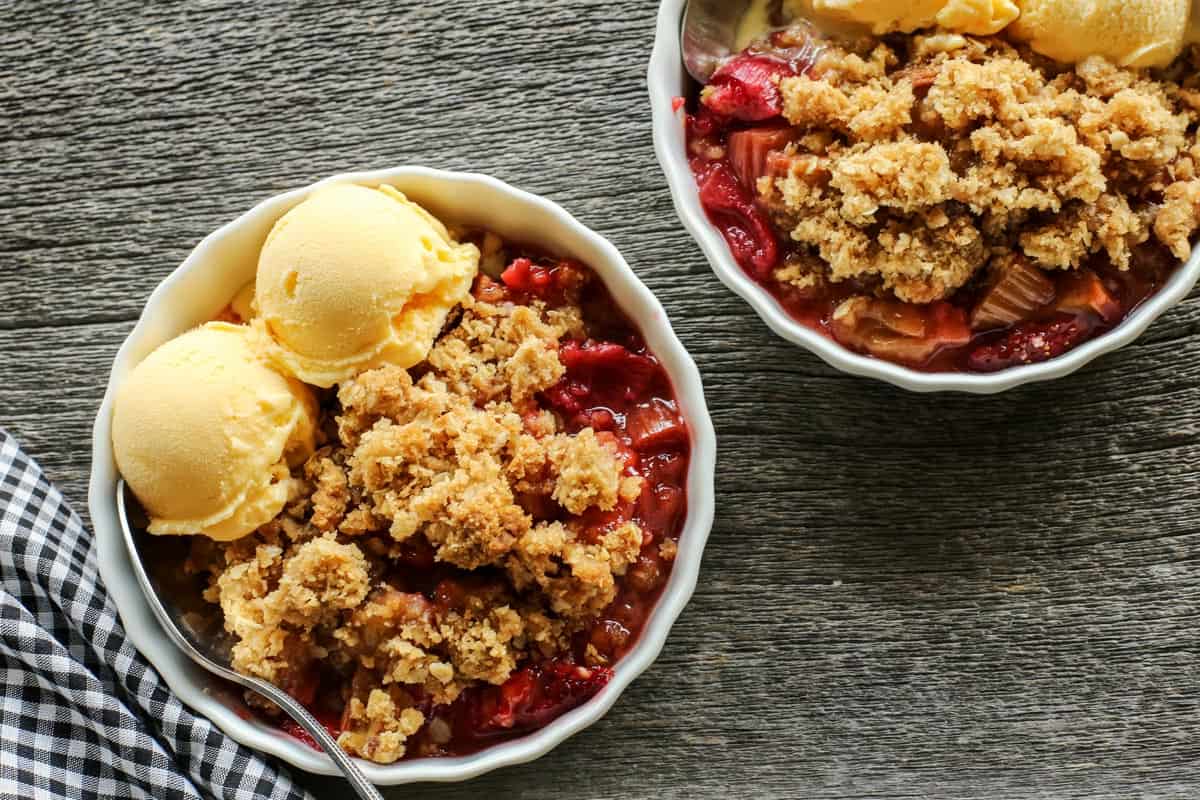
x: 903, y: 597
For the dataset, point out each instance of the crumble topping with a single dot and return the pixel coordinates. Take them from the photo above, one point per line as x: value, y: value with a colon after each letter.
x: 914, y: 163
x: 422, y: 475
x: 378, y: 728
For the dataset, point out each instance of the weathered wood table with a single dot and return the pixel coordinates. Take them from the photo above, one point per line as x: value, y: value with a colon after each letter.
x: 903, y: 596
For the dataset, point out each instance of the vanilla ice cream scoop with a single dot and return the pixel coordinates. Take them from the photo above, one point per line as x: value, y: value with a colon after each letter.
x: 204, y: 433
x: 1130, y: 33
x: 979, y: 17
x: 354, y: 278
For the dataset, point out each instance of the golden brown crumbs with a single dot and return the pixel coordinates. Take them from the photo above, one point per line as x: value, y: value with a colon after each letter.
x: 377, y: 729
x: 460, y: 458
x: 1179, y: 217
x: 577, y: 576
x: 588, y: 469
x: 912, y: 169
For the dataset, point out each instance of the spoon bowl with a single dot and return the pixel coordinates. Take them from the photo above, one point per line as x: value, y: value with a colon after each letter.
x: 709, y: 33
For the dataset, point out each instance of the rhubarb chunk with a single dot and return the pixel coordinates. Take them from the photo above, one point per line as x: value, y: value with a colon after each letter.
x: 1082, y: 292
x: 1018, y: 291
x: 655, y: 426
x: 896, y: 331
x: 745, y: 227
x: 748, y: 151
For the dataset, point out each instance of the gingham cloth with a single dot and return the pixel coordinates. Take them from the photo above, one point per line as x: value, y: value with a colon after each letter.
x: 82, y: 715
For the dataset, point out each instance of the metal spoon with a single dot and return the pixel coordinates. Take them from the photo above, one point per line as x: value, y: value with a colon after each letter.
x: 709, y: 32
x: 207, y: 654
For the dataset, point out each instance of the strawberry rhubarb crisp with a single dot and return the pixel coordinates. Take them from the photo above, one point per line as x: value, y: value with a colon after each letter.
x: 476, y: 540
x: 946, y: 201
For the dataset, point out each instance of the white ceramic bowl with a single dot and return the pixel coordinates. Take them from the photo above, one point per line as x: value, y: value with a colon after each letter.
x: 201, y: 286
x: 667, y: 80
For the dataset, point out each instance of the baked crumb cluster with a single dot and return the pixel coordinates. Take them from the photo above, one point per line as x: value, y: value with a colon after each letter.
x: 450, y: 531
x: 949, y: 201
x: 918, y: 165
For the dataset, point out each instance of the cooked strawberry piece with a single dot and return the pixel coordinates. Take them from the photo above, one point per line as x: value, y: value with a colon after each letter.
x: 745, y: 227
x: 600, y: 377
x: 1018, y: 290
x: 899, y: 331
x: 535, y: 695
x: 593, y: 356
x: 747, y: 88
x: 629, y: 609
x: 647, y: 573
x: 677, y: 103
x: 655, y: 426
x: 749, y: 149
x: 1030, y: 343
x: 525, y: 276
x: 450, y: 594
x: 1081, y: 291
x: 566, y: 398
x: 556, y: 284
x: 599, y: 373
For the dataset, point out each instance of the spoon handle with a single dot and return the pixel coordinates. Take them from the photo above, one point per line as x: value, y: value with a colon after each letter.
x: 365, y: 789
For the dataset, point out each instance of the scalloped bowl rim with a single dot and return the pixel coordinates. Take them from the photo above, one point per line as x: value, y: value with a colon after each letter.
x: 665, y: 81
x: 191, y: 683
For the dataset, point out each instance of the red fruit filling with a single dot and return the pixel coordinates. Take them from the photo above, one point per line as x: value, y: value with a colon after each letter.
x: 329, y: 722
x: 747, y: 88
x: 613, y: 384
x: 559, y: 283
x: 732, y: 209
x: 532, y: 697
x: 1030, y: 343
x: 655, y: 426
x: 736, y: 135
x: 599, y: 374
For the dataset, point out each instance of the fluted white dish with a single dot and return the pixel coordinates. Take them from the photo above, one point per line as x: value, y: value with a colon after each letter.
x: 668, y: 80
x: 222, y: 263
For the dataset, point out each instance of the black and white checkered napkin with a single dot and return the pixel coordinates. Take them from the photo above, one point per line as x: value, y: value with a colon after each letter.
x: 82, y: 714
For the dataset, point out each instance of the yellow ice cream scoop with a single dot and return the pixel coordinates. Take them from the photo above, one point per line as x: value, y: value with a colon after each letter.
x: 979, y: 17
x: 204, y: 433
x: 354, y: 278
x: 1130, y: 33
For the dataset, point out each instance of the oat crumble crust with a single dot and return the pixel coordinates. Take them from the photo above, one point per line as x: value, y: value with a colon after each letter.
x: 456, y: 450
x: 920, y: 159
